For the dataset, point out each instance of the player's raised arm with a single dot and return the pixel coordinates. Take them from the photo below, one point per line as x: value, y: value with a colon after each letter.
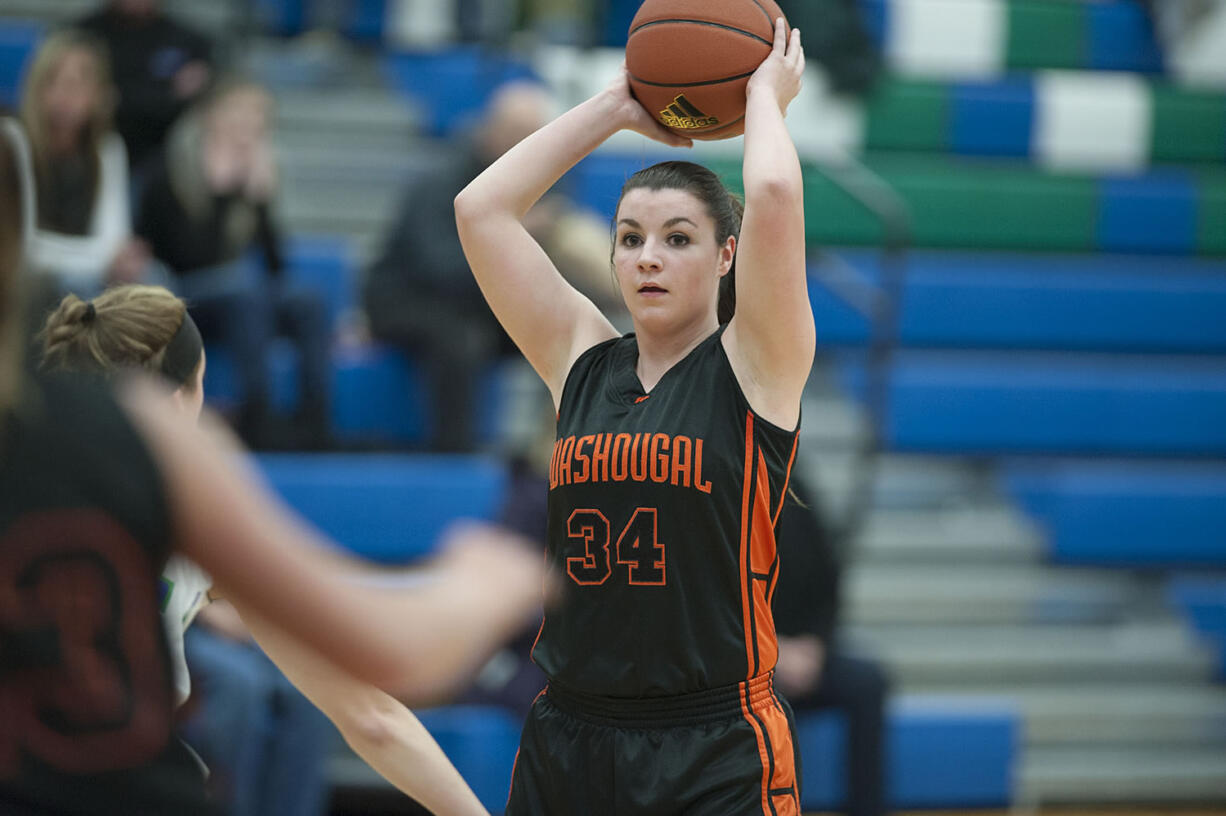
x: 772, y: 337
x: 550, y: 321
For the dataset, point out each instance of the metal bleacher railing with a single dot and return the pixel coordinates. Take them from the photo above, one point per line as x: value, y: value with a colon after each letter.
x: 881, y: 304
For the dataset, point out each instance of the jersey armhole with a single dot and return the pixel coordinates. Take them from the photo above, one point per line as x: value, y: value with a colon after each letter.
x: 582, y: 359
x: 745, y: 403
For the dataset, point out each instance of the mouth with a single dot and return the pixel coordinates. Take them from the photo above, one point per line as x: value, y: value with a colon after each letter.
x: 652, y: 289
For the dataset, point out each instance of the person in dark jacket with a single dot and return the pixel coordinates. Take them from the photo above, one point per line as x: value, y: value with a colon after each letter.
x: 815, y: 670
x: 160, y: 67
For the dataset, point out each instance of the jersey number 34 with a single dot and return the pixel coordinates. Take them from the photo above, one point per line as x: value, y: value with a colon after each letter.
x: 638, y: 548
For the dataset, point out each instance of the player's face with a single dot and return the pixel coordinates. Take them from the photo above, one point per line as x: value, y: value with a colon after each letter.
x: 667, y: 259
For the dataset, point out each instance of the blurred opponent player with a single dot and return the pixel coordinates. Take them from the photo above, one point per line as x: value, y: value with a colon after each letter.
x: 149, y: 327
x: 95, y: 488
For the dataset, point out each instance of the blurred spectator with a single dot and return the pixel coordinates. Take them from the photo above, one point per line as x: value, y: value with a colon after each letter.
x: 204, y: 209
x: 160, y: 68
x: 420, y: 287
x: 83, y: 236
x: 815, y: 671
x: 265, y: 744
x: 836, y: 37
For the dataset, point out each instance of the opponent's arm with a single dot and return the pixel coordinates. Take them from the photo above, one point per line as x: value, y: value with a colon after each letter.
x: 415, y: 641
x: 379, y: 728
x: 550, y: 321
x: 771, y: 339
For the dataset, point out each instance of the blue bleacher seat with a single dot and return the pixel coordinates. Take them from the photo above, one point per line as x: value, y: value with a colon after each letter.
x: 282, y: 17
x: 386, y: 507
x: 1202, y: 599
x: 595, y: 182
x: 453, y: 85
x: 221, y: 387
x: 18, y: 40
x: 366, y: 20
x: 946, y: 752
x: 966, y: 402
x: 992, y: 118
x: 378, y: 394
x: 617, y: 17
x: 1118, y: 35
x: 1157, y: 212
x: 324, y: 264
x: 482, y: 743
x: 1026, y: 301
x: 1122, y: 38
x: 1125, y: 513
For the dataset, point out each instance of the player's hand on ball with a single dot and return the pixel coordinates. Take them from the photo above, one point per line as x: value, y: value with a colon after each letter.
x: 782, y: 72
x: 636, y: 118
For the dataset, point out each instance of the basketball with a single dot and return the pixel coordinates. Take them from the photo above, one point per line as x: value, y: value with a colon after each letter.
x: 690, y: 61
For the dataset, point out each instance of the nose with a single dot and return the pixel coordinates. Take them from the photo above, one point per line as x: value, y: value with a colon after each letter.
x: 649, y: 256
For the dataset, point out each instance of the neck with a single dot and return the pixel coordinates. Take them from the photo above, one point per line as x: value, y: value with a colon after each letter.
x: 658, y: 352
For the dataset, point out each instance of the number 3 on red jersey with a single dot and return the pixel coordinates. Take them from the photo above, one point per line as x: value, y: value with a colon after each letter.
x: 638, y: 548
x: 86, y: 687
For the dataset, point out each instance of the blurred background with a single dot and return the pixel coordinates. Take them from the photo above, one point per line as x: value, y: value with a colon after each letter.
x: 1014, y: 437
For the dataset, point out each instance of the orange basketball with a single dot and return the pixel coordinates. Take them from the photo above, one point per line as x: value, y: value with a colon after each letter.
x: 690, y: 60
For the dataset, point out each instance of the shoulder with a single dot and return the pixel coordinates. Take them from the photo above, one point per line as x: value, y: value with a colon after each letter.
x: 78, y: 404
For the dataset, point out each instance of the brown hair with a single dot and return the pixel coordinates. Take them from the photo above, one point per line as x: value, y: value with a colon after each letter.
x: 47, y: 61
x: 11, y: 221
x: 124, y: 327
x: 723, y: 207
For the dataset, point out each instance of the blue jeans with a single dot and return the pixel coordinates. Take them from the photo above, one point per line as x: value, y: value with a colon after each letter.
x: 264, y: 743
x: 240, y: 307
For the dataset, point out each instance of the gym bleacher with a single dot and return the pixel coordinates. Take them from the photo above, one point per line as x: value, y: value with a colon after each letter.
x: 1043, y: 571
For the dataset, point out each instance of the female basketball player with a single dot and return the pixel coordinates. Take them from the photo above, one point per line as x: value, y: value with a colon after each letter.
x: 93, y: 488
x: 149, y: 327
x: 673, y: 452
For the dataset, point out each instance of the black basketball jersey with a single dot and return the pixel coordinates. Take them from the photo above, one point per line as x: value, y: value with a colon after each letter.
x: 662, y: 511
x: 85, y: 679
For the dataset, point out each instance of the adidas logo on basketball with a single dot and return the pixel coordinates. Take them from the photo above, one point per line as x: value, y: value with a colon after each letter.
x: 682, y: 115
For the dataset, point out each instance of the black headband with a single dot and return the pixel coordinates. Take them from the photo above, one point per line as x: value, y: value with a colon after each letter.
x: 182, y: 354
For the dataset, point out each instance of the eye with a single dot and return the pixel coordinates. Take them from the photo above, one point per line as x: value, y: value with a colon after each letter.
x: 630, y: 239
x: 678, y: 239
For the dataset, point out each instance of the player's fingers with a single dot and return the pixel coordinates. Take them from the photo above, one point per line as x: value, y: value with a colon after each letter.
x: 781, y: 36
x: 669, y: 137
x: 795, y: 50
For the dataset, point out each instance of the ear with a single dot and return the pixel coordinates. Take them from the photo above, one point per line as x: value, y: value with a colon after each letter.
x: 727, y: 254
x: 178, y: 398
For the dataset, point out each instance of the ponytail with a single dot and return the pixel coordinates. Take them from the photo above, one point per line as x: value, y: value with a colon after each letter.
x: 727, y: 285
x: 125, y: 327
